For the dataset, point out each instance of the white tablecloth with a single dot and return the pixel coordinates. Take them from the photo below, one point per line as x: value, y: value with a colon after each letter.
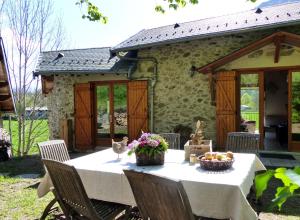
x: 211, y: 194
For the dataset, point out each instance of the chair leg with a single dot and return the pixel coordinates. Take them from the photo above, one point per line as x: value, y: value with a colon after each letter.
x: 48, y: 208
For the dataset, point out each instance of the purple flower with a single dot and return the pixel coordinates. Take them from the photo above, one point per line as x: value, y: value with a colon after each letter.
x: 152, y: 143
x: 133, y: 144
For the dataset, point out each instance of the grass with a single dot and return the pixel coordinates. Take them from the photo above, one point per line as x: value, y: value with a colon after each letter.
x: 19, y: 198
x: 41, y: 132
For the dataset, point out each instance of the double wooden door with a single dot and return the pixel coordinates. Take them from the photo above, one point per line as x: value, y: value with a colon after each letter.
x: 228, y: 106
x: 109, y: 110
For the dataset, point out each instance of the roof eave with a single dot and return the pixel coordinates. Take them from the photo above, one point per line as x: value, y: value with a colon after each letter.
x: 13, y: 109
x: 198, y: 37
x: 285, y: 36
x: 48, y: 73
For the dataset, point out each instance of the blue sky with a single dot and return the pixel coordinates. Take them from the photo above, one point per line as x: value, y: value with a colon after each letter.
x: 127, y: 17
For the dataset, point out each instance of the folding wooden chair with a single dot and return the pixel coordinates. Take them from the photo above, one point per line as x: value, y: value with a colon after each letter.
x: 72, y: 196
x: 159, y: 198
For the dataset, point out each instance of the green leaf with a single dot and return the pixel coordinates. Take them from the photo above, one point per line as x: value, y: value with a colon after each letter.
x: 283, y: 177
x: 160, y: 9
x: 173, y: 6
x: 194, y: 2
x: 297, y: 170
x: 282, y: 194
x: 280, y: 170
x: 261, y: 182
x: 293, y: 177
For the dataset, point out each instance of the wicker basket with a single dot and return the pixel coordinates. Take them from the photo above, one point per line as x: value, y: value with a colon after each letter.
x: 215, y: 164
x: 147, y: 160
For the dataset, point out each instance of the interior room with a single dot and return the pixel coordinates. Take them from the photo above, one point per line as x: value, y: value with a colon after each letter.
x: 276, y: 111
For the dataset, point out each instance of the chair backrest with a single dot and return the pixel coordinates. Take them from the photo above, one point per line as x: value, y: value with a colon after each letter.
x: 173, y: 139
x: 69, y: 189
x: 54, y: 150
x: 159, y: 198
x: 242, y: 142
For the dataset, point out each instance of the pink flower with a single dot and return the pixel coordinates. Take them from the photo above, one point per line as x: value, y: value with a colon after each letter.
x: 152, y: 143
x: 133, y: 144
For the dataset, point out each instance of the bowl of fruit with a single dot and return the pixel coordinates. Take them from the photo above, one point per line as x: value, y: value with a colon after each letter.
x: 216, y: 161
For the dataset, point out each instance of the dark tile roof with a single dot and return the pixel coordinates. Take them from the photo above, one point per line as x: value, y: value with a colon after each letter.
x: 275, y: 16
x: 90, y: 60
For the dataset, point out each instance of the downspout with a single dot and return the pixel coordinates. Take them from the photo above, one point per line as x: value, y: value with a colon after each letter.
x: 153, y: 81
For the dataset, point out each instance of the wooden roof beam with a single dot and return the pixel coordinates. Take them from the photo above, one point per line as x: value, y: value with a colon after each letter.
x: 3, y: 84
x: 4, y: 98
x: 278, y: 40
x: 280, y: 36
x: 2, y: 93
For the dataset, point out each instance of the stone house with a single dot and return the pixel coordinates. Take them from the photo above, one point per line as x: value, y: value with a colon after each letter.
x: 169, y: 77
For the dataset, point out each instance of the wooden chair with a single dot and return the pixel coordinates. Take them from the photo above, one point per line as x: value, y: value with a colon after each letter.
x: 173, y: 139
x: 53, y: 150
x: 71, y: 194
x: 159, y: 198
x: 242, y: 142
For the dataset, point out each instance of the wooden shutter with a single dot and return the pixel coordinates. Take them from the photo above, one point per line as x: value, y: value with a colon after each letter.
x: 226, y: 105
x: 83, y: 116
x: 137, y: 108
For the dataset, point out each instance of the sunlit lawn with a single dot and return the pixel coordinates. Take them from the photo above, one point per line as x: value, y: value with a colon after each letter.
x: 41, y: 132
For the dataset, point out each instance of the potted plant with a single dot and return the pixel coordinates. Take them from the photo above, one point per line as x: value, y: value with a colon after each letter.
x: 149, y: 149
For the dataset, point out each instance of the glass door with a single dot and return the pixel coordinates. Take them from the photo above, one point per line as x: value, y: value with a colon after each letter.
x: 111, y: 112
x: 294, y: 111
x: 103, y: 111
x: 249, y: 102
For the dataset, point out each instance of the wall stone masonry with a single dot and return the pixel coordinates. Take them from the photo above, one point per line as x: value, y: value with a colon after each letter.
x: 60, y: 101
x: 179, y: 98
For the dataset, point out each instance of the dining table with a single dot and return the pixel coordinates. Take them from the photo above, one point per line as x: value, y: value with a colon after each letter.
x: 213, y: 194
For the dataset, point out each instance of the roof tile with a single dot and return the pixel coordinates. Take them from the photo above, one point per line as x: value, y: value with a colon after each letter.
x: 278, y: 15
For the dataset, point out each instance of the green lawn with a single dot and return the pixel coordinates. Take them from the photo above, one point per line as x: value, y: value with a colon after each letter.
x: 41, y: 131
x: 19, y: 198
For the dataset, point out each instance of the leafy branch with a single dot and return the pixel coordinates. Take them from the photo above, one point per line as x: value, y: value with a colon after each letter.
x: 93, y: 12
x: 291, y: 185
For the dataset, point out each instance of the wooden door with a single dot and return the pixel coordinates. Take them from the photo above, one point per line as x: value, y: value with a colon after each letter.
x: 137, y: 108
x: 294, y: 110
x: 83, y: 116
x: 111, y: 112
x: 226, y: 105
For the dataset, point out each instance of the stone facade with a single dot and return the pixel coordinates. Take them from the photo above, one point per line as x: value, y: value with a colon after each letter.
x: 179, y: 98
x: 60, y: 101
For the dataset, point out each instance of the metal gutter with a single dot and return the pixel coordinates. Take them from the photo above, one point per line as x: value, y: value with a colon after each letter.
x: 153, y: 81
x: 75, y: 72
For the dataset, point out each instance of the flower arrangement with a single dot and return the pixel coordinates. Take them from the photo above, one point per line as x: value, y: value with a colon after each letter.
x: 149, y: 144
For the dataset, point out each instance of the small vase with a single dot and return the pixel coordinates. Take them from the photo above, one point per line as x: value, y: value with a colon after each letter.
x: 143, y: 159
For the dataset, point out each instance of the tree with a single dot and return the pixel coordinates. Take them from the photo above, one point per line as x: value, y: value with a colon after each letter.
x: 33, y: 30
x: 94, y: 14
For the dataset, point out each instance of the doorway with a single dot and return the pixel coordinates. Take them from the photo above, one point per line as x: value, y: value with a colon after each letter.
x: 276, y: 110
x: 110, y: 112
x: 264, y: 107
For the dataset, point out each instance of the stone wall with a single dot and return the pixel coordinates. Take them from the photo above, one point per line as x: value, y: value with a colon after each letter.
x: 60, y: 101
x: 179, y: 99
